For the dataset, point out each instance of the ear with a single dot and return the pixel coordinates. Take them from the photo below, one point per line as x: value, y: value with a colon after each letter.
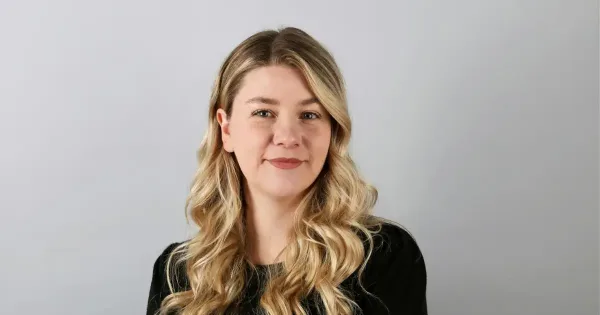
x: 223, y: 121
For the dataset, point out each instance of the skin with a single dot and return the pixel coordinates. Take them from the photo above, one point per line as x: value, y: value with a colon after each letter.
x: 275, y: 115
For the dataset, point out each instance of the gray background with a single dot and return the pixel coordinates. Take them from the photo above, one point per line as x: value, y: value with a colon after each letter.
x: 477, y: 120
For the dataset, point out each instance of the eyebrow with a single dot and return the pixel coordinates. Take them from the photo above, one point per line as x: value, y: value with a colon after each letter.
x: 272, y: 101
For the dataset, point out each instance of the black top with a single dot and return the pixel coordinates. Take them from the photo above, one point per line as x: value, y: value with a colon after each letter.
x: 395, y: 273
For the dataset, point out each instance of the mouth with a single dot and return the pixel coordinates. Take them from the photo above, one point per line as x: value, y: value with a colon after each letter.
x: 285, y: 163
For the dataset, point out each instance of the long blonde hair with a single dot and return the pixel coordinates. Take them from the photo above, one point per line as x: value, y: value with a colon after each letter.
x: 327, y: 246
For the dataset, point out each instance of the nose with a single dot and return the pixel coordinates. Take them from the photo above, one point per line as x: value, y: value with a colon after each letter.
x: 287, y: 133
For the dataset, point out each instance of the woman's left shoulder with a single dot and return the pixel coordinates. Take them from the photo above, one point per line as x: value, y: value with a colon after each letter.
x: 393, y: 240
x: 395, y: 273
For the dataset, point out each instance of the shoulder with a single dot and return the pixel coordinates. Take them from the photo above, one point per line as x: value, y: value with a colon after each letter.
x: 170, y: 258
x: 159, y: 285
x: 162, y: 260
x: 167, y: 251
x: 391, y: 239
x: 395, y: 273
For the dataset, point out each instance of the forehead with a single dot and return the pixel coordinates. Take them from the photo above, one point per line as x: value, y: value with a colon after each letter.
x: 281, y: 82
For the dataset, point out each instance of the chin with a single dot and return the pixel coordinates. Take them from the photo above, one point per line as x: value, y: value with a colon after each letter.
x: 284, y: 191
x: 283, y: 194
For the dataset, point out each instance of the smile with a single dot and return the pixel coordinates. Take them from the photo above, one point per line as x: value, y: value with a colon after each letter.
x: 284, y: 163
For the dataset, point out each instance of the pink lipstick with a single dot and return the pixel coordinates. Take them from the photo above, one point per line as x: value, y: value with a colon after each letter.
x: 285, y: 163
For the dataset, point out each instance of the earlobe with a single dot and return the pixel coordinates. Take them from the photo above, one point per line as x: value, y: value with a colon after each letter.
x: 223, y: 121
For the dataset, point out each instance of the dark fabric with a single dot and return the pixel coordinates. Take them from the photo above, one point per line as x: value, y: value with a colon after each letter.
x: 395, y: 274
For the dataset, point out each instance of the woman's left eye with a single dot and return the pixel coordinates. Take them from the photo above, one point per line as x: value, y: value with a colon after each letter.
x: 309, y: 115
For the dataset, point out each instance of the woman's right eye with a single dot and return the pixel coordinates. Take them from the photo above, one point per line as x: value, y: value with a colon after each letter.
x: 262, y: 113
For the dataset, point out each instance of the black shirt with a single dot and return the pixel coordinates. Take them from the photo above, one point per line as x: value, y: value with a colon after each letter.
x: 395, y: 273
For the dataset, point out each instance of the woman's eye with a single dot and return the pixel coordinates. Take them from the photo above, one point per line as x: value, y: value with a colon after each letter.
x: 309, y: 115
x: 262, y: 113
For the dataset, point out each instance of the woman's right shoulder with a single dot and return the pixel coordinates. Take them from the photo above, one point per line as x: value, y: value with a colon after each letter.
x: 171, y: 255
x: 159, y: 285
x: 161, y: 261
x: 167, y: 251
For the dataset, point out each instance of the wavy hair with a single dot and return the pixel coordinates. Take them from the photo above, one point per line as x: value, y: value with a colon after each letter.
x: 327, y: 244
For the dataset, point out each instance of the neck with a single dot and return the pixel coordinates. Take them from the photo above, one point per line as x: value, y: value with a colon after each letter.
x: 268, y: 225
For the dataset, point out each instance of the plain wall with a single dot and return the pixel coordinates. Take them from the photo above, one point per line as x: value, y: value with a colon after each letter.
x: 477, y: 121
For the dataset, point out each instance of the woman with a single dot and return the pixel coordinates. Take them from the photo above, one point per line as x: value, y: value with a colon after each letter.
x: 285, y: 223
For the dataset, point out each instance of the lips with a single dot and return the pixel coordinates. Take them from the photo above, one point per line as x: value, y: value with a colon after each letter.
x: 285, y: 163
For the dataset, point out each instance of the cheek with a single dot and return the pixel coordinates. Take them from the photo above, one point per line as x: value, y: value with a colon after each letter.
x: 250, y: 141
x: 320, y: 140
x: 323, y: 148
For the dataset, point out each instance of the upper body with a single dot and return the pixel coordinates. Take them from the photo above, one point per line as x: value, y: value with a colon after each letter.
x: 395, y: 274
x: 276, y: 186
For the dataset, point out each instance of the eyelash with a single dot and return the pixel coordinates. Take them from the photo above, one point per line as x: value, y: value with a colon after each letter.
x: 259, y: 111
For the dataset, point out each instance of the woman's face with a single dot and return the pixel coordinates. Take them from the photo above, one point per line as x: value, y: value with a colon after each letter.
x: 279, y: 132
